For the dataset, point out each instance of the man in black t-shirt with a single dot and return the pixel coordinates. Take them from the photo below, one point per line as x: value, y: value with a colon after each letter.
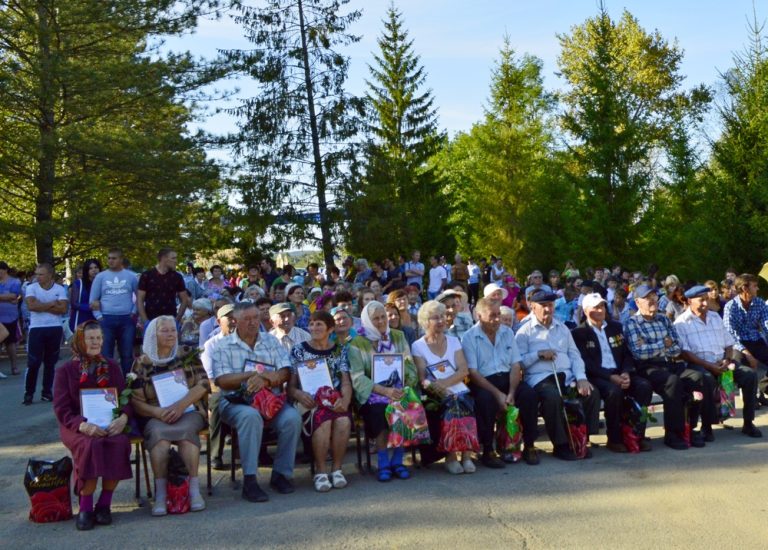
x: 159, y: 287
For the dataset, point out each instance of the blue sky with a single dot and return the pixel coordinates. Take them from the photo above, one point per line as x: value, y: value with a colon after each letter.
x: 459, y: 40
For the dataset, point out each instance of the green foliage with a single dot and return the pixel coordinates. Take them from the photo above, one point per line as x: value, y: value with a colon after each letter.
x: 398, y: 204
x: 94, y: 149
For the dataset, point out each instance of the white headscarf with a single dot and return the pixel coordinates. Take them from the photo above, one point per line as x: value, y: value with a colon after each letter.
x: 149, y: 345
x: 365, y: 316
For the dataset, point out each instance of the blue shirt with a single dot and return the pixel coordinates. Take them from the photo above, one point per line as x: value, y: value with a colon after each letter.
x: 646, y: 338
x: 534, y: 337
x: 115, y: 291
x: 9, y: 311
x: 487, y: 358
x: 743, y: 324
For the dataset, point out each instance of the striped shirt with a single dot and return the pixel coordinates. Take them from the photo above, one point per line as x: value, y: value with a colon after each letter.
x: 705, y: 340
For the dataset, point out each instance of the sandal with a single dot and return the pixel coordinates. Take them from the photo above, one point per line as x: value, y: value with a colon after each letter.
x: 384, y: 474
x: 338, y: 479
x: 401, y: 471
x: 322, y: 485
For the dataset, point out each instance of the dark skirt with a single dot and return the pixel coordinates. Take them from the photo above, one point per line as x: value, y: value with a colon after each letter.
x: 98, y: 457
x: 186, y: 428
x: 374, y: 419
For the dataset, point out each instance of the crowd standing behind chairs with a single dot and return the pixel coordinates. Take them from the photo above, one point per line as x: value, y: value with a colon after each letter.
x: 238, y: 336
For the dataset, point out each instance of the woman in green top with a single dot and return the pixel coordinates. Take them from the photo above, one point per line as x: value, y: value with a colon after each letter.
x: 377, y: 337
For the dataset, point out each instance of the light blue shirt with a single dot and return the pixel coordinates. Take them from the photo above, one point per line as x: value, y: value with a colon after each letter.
x: 534, y: 337
x: 115, y: 291
x: 605, y: 349
x: 487, y: 358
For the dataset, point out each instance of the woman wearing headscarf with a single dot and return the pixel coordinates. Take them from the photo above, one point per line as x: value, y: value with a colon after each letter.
x: 79, y: 295
x: 96, y: 452
x: 377, y: 337
x: 179, y: 423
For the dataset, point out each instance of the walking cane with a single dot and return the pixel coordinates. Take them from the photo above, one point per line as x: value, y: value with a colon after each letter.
x: 562, y: 401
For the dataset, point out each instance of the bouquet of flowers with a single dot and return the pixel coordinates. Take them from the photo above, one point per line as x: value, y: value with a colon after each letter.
x: 458, y: 431
x: 407, y: 421
x: 509, y: 433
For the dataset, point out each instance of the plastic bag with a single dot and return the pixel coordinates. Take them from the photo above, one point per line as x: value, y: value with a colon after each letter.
x: 267, y: 403
x: 727, y: 391
x: 509, y: 433
x: 177, y: 499
x: 632, y: 424
x: 458, y: 431
x: 47, y: 484
x: 326, y: 396
x: 407, y: 421
x: 577, y: 426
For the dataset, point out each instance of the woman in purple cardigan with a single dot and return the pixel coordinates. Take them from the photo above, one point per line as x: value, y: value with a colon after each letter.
x: 97, y: 453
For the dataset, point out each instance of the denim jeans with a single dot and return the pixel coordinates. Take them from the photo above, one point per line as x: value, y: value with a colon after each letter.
x: 43, y: 344
x: 120, y: 330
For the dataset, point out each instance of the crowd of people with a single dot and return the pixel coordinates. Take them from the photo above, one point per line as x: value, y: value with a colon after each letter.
x: 237, y: 338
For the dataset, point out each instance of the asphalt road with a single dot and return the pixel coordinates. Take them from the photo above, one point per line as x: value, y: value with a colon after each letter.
x: 701, y: 498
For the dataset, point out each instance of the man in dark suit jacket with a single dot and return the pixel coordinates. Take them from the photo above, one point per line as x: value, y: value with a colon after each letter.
x: 610, y: 367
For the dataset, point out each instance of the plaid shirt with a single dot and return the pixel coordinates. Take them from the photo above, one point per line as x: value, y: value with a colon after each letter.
x: 743, y: 324
x: 705, y: 340
x: 230, y: 353
x: 646, y: 338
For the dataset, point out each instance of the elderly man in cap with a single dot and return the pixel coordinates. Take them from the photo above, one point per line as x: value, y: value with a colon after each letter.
x: 495, y: 292
x: 709, y: 348
x: 458, y: 323
x: 226, y: 325
x: 654, y: 344
x: 610, y: 367
x: 495, y: 373
x: 547, y: 347
x: 284, y: 320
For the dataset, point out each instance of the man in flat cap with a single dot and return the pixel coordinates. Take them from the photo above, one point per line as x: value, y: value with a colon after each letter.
x: 546, y: 346
x: 285, y: 330
x: 709, y: 348
x: 654, y: 344
x: 610, y: 367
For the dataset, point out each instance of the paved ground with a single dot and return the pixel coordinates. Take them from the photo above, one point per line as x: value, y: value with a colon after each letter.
x: 703, y: 498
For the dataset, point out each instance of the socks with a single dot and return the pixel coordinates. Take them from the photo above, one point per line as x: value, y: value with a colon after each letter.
x: 382, y: 459
x: 397, y: 456
x: 105, y: 499
x: 160, y: 491
x: 86, y: 503
x: 194, y: 486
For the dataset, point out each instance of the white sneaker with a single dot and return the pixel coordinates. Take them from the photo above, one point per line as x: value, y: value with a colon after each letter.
x: 454, y: 467
x: 2, y: 376
x: 338, y: 479
x: 159, y: 508
x: 468, y: 465
x: 196, y: 504
x: 322, y: 485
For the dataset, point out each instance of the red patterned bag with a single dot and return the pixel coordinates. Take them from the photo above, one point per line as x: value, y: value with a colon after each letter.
x: 267, y: 403
x: 177, y: 500
x: 47, y: 484
x: 458, y: 431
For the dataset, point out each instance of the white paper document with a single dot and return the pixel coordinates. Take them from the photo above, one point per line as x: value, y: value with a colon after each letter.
x: 313, y: 375
x: 97, y: 405
x: 170, y: 387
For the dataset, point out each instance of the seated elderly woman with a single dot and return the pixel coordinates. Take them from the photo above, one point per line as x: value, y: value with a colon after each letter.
x: 178, y: 422
x: 377, y: 337
x: 344, y: 331
x: 435, y: 347
x: 97, y: 452
x: 192, y: 331
x: 329, y: 426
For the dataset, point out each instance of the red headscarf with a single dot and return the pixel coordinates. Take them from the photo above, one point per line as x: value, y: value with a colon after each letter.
x: 96, y: 363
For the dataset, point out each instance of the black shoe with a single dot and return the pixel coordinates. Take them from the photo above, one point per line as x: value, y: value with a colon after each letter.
x: 709, y: 437
x: 531, y: 456
x: 509, y: 458
x: 564, y: 452
x: 47, y: 397
x: 751, y: 430
x: 491, y: 459
x: 674, y: 441
x: 103, y: 516
x: 218, y: 464
x: 27, y: 399
x: 762, y: 399
x: 85, y: 521
x: 281, y: 484
x: 252, y: 492
x: 697, y: 439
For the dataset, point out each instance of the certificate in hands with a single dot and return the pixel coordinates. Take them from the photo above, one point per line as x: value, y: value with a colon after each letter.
x: 443, y: 370
x: 313, y: 375
x: 97, y: 405
x: 170, y: 387
x: 257, y: 366
x: 387, y: 369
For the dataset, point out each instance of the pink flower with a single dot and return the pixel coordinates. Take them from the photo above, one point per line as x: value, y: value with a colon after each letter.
x: 698, y: 396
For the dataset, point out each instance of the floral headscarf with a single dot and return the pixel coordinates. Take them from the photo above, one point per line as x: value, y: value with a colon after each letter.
x: 149, y: 346
x: 89, y: 363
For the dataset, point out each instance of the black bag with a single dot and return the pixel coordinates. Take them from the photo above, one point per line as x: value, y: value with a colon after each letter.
x: 47, y: 484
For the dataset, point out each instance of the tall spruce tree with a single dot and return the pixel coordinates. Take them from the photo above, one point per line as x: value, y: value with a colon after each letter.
x: 296, y: 147
x: 399, y: 205
x: 94, y: 148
